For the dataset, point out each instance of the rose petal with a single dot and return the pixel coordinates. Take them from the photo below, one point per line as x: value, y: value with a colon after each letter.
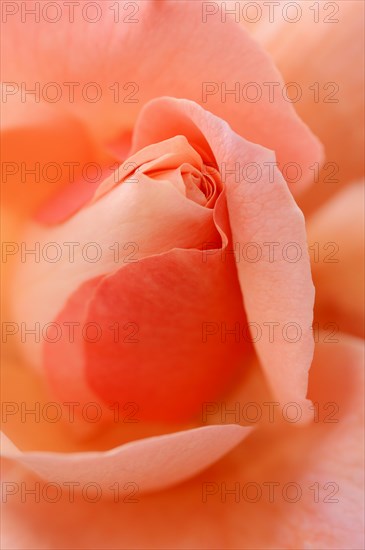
x: 118, y: 55
x: 150, y: 463
x: 336, y: 237
x: 33, y: 170
x: 136, y: 219
x: 34, y: 420
x: 278, y: 287
x: 168, y: 355
x: 180, y: 518
x: 331, y: 35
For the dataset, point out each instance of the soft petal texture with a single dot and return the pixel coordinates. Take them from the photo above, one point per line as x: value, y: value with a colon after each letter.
x: 120, y: 53
x: 148, y: 210
x: 256, y: 212
x: 177, y: 518
x: 276, y: 291
x: 35, y: 169
x: 151, y: 463
x: 330, y: 53
x: 336, y: 236
x: 22, y: 390
x: 29, y: 413
x: 160, y: 360
x: 138, y: 218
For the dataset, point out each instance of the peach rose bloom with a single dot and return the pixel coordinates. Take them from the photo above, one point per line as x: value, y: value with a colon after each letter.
x: 173, y: 405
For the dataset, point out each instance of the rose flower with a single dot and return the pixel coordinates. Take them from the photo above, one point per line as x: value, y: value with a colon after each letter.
x: 158, y: 328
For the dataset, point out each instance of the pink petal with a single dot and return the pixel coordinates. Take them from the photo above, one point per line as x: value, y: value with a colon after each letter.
x: 331, y: 36
x: 150, y: 463
x: 36, y: 420
x: 38, y: 157
x: 336, y: 238
x: 324, y: 453
x: 162, y: 359
x: 275, y: 289
x: 134, y: 220
x: 151, y: 58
